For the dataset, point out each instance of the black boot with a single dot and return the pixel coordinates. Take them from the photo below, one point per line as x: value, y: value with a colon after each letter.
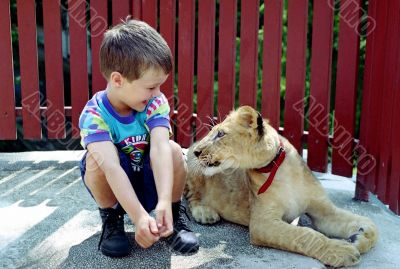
x: 183, y: 239
x: 113, y: 240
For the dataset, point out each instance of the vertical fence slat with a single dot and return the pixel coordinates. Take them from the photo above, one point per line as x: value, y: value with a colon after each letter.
x: 205, y: 66
x: 296, y: 72
x: 346, y: 89
x: 120, y: 10
x: 98, y: 23
x: 29, y: 69
x: 7, y: 101
x: 387, y: 94
x: 272, y: 53
x: 54, y: 69
x: 149, y: 12
x: 363, y: 182
x: 321, y: 61
x: 137, y: 9
x: 394, y: 176
x: 248, y: 52
x: 78, y: 60
x: 376, y: 89
x: 226, y: 56
x: 186, y: 70
x: 167, y: 30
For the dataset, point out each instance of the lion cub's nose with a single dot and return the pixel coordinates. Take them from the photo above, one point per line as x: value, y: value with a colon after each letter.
x: 197, y: 153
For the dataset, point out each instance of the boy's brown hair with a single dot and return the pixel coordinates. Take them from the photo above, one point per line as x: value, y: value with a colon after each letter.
x: 131, y: 48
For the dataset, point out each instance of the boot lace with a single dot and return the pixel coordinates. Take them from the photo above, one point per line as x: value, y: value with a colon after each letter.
x: 180, y: 221
x: 113, y: 224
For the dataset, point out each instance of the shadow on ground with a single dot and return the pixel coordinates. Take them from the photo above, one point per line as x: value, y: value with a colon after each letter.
x: 86, y: 255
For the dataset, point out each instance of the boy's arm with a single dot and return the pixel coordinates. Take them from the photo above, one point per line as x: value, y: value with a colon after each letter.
x: 107, y: 159
x: 161, y: 161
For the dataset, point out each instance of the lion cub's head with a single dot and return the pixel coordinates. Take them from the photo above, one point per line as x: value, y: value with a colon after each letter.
x: 235, y: 143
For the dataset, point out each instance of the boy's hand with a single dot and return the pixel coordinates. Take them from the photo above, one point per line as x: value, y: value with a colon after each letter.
x: 164, y: 218
x: 146, y: 233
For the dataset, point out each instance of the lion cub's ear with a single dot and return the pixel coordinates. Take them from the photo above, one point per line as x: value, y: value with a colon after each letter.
x: 247, y: 116
x: 250, y: 118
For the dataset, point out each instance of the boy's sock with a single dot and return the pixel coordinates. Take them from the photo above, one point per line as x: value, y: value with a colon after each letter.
x: 113, y: 240
x: 183, y: 239
x: 115, y: 206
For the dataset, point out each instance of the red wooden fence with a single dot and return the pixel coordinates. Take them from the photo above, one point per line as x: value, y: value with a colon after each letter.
x: 28, y: 58
x: 295, y: 72
x: 226, y: 55
x: 272, y: 53
x: 8, y: 128
x: 380, y: 130
x: 54, y: 70
x: 346, y: 85
x: 205, y: 63
x: 203, y: 36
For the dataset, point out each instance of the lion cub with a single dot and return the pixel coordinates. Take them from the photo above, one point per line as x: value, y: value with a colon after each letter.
x: 225, y: 180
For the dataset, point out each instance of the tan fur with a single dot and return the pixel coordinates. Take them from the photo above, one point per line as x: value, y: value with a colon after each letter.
x: 222, y: 182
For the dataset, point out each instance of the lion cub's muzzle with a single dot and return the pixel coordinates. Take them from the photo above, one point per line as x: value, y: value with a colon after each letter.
x: 197, y: 153
x: 205, y: 159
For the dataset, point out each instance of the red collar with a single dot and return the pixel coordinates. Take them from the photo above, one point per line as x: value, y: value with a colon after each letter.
x: 271, y: 168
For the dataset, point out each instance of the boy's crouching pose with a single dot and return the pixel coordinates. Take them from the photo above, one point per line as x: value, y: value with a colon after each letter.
x: 131, y: 165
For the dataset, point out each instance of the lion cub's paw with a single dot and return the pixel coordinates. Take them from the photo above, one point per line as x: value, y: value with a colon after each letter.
x: 340, y: 253
x: 365, y: 238
x: 205, y: 215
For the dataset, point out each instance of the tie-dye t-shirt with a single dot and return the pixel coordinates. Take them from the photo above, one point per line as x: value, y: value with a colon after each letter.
x: 100, y: 122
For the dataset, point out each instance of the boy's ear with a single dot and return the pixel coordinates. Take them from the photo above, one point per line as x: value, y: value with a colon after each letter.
x: 116, y: 79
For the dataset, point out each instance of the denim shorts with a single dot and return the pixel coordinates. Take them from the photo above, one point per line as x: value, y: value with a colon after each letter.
x: 142, y: 181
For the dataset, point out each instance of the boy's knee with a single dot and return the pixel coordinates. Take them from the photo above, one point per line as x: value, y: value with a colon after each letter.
x: 177, y: 154
x: 176, y: 149
x: 92, y: 165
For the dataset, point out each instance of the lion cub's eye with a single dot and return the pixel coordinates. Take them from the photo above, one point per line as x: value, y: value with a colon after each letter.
x: 220, y: 133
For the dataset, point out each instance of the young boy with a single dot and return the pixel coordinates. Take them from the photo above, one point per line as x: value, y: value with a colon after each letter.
x: 131, y: 165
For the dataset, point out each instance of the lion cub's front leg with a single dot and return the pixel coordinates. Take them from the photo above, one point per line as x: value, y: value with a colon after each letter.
x: 276, y: 233
x: 204, y: 214
x: 194, y: 190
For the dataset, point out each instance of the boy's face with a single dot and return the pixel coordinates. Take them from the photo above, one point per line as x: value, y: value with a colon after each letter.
x: 137, y: 93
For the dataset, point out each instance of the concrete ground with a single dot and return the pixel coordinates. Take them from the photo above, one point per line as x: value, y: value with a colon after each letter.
x: 48, y: 220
